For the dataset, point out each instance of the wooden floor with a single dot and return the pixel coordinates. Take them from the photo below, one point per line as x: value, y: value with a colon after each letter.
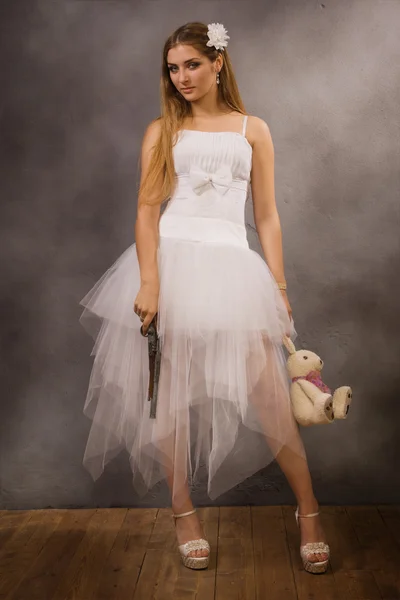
x: 116, y: 554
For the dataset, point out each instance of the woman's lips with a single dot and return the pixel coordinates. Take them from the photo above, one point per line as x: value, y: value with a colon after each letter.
x: 187, y: 89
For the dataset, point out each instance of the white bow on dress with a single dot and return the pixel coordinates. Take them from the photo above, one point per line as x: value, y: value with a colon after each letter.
x: 202, y: 180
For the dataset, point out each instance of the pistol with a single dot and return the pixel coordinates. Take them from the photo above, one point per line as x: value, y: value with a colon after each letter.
x: 154, y: 352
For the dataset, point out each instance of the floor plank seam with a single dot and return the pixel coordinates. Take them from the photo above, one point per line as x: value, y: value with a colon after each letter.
x: 252, y: 545
x: 290, y: 555
x: 216, y: 555
x: 393, y: 537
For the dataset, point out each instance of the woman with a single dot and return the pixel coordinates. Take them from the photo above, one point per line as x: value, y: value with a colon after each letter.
x: 220, y: 310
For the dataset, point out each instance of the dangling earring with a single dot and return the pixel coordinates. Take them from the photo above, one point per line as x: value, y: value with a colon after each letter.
x: 217, y: 78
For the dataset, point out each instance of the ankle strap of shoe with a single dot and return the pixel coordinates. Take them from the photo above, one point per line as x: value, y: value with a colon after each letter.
x: 311, y: 515
x: 190, y: 512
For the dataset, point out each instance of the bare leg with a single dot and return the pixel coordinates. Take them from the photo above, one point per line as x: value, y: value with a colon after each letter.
x: 298, y: 475
x: 189, y: 527
x: 176, y: 449
x: 270, y: 398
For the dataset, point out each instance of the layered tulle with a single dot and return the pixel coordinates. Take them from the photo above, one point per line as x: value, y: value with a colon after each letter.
x: 223, y: 409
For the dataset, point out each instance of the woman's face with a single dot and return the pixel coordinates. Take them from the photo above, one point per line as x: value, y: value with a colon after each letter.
x: 190, y: 69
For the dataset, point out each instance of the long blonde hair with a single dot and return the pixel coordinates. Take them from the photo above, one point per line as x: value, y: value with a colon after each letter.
x: 174, y: 108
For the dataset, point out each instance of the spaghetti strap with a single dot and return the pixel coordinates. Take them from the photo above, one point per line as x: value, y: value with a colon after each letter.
x: 244, y: 125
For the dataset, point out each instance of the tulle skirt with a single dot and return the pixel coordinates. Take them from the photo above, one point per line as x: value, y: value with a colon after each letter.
x: 223, y: 409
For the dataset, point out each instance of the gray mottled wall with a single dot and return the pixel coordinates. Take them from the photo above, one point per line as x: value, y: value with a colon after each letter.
x: 79, y: 84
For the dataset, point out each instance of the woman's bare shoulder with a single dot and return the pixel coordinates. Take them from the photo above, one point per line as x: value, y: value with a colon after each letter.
x: 257, y: 124
x: 257, y: 130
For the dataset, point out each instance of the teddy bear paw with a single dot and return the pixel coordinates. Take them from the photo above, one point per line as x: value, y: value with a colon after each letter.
x: 342, y: 398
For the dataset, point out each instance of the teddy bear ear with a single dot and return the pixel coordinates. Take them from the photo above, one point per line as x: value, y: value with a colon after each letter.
x: 290, y: 347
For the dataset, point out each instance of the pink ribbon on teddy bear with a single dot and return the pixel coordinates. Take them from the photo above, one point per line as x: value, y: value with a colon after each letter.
x: 315, y: 378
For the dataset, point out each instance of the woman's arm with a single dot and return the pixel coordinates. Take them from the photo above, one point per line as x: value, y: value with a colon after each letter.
x: 266, y: 217
x: 146, y: 225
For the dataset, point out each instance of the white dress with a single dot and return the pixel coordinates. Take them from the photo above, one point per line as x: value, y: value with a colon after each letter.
x: 223, y: 409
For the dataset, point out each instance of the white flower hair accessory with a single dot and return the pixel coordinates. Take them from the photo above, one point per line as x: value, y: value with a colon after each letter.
x: 217, y: 35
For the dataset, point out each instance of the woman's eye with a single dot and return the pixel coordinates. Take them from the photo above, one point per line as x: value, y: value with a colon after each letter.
x: 194, y: 64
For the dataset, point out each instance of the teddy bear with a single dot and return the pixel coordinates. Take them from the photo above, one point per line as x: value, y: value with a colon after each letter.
x: 312, y: 401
